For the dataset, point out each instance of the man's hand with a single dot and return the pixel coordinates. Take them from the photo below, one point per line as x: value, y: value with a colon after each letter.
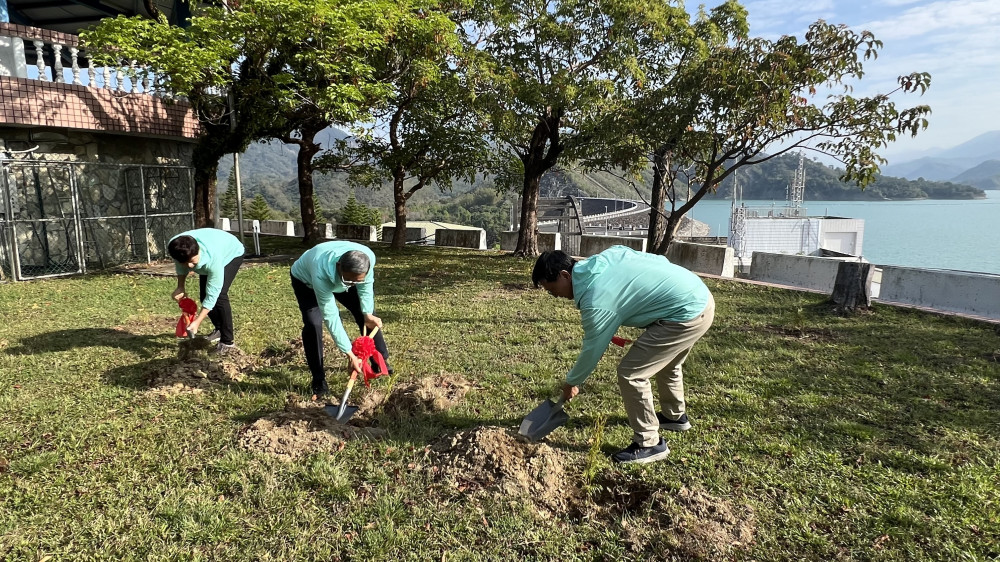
x: 178, y: 293
x: 569, y: 391
x: 194, y: 325
x: 371, y: 321
x: 353, y: 362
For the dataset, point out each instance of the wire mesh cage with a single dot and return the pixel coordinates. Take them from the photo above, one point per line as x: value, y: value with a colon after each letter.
x: 60, y: 218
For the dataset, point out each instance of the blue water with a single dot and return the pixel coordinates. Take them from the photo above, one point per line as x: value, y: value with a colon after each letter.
x: 961, y: 235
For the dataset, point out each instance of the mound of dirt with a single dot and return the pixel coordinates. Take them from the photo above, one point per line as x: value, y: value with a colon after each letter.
x: 685, y: 525
x: 426, y: 396
x: 302, y: 428
x: 194, y: 370
x: 498, y: 460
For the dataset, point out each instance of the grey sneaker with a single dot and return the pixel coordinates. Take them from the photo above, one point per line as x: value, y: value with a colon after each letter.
x: 224, y: 348
x: 214, y: 336
x: 637, y: 454
x: 680, y: 424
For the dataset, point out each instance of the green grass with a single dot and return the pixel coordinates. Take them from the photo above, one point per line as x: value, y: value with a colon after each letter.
x: 870, y: 437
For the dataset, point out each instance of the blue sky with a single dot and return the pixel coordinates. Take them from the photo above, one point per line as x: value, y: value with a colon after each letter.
x: 956, y: 41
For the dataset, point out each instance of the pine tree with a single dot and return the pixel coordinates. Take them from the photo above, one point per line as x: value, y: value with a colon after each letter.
x: 227, y: 206
x: 258, y: 209
x: 353, y: 212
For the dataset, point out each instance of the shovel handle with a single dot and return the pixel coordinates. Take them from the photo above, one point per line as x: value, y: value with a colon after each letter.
x: 372, y: 334
x: 347, y: 393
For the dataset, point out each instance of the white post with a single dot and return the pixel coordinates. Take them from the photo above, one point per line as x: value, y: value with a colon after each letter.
x: 57, y: 67
x: 73, y: 53
x: 40, y: 63
x: 239, y: 194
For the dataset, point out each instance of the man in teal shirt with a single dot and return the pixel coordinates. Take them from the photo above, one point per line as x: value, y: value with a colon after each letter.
x: 326, y: 274
x: 216, y: 256
x: 622, y: 287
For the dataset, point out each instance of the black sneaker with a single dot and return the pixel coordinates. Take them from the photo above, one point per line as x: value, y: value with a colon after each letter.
x: 320, y: 389
x: 680, y: 424
x: 638, y: 454
x: 214, y: 336
x: 223, y: 349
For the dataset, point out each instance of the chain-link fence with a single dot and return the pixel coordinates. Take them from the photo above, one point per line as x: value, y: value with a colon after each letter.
x: 60, y: 218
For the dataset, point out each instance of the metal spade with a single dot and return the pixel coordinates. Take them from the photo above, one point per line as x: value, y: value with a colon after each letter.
x: 544, y: 419
x: 344, y: 412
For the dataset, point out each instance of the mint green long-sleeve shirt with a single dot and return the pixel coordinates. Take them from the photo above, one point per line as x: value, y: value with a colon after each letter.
x: 623, y: 287
x: 216, y: 248
x: 317, y: 268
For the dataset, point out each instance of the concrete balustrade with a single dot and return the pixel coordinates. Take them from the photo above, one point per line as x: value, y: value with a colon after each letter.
x: 806, y: 272
x: 413, y: 235
x: 963, y: 292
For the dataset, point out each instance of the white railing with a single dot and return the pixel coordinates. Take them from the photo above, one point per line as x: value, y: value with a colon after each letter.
x: 125, y: 78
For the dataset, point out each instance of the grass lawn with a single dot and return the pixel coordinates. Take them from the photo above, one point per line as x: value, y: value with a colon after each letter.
x: 871, y: 437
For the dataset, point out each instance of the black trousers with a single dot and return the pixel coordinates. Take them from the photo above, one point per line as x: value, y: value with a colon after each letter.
x: 221, y: 314
x: 312, y: 328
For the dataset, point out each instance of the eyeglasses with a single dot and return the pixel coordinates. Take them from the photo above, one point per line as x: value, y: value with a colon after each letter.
x: 349, y: 283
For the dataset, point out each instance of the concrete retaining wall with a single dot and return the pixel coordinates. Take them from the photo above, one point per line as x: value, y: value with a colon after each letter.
x: 475, y: 239
x: 951, y: 291
x: 590, y: 245
x: 807, y: 272
x: 547, y: 241
x: 702, y: 258
x: 412, y: 234
x: 357, y: 232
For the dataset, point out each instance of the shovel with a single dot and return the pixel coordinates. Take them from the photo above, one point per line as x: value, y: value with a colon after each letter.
x: 544, y: 419
x: 344, y: 412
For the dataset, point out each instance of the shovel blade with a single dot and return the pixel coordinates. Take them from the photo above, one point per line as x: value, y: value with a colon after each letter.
x: 341, y: 416
x: 543, y: 420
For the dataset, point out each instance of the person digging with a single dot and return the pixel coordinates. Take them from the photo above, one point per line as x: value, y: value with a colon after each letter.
x: 324, y: 275
x: 216, y: 256
x: 622, y: 287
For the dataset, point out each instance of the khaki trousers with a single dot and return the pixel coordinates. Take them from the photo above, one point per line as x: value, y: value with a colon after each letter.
x: 660, y: 351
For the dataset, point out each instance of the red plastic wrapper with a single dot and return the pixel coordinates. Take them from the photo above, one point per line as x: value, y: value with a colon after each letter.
x: 620, y: 342
x: 364, y: 349
x: 188, y: 309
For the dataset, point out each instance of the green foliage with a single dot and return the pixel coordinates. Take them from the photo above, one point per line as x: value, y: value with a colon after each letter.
x: 258, y: 209
x: 482, y: 208
x: 354, y: 212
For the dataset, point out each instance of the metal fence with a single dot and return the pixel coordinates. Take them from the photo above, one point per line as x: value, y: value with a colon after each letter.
x: 61, y: 218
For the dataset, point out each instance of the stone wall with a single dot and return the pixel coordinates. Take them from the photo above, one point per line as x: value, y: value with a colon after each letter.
x: 364, y: 232
x: 413, y: 235
x: 702, y: 258
x: 78, y: 146
x: 590, y: 245
x: 470, y: 238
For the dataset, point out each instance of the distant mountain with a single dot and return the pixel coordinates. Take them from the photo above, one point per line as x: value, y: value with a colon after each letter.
x: 983, y: 176
x: 947, y: 164
x: 930, y: 168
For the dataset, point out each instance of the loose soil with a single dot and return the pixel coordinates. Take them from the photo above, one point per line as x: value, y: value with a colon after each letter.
x: 301, y: 429
x: 687, y: 524
x: 497, y: 460
x: 429, y: 395
x: 194, y: 371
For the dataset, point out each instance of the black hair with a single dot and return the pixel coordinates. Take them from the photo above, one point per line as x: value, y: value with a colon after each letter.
x: 183, y: 248
x: 355, y: 262
x: 549, y: 265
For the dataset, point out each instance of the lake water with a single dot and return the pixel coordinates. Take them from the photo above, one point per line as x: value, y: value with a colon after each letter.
x: 961, y: 235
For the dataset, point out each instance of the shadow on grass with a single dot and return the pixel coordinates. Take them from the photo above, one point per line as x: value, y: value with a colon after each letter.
x: 65, y: 340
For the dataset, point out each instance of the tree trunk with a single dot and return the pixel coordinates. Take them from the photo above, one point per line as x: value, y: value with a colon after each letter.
x: 206, y: 164
x: 536, y: 162
x: 312, y: 233
x: 852, y: 286
x: 399, y: 197
x: 654, y: 238
x: 527, y: 236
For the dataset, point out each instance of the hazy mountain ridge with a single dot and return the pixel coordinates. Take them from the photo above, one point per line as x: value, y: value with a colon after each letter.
x: 269, y: 169
x: 968, y: 163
